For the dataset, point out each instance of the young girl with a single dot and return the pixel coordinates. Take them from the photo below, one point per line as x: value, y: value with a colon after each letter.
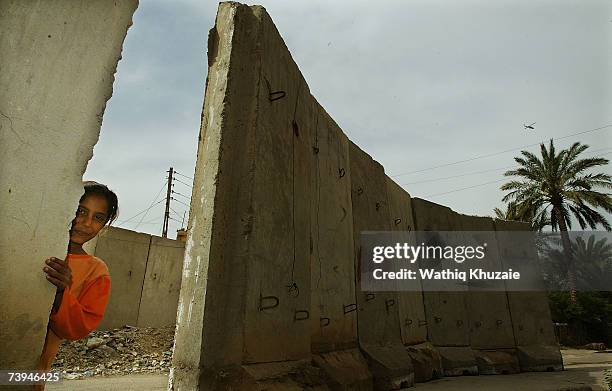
x: 82, y: 280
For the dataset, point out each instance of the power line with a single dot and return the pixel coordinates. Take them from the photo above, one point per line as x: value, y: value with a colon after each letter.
x: 466, y: 188
x: 179, y: 181
x: 175, y: 212
x: 148, y: 208
x: 188, y: 177
x: 180, y: 202
x: 488, y: 183
x: 497, y: 153
x: 154, y: 221
x: 183, y: 195
x: 483, y: 171
x: 456, y: 176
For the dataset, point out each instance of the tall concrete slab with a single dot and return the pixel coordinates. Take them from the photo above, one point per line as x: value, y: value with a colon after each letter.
x: 277, y: 321
x: 245, y: 294
x: 125, y: 253
x: 57, y: 67
x: 162, y: 283
x: 426, y: 361
x: 534, y: 335
x: 378, y: 312
x: 332, y: 267
x: 334, y: 342
x: 491, y: 334
x: 413, y: 324
x: 447, y: 315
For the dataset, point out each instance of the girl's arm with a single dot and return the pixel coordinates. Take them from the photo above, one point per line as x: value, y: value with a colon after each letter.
x: 77, y: 317
x: 57, y: 301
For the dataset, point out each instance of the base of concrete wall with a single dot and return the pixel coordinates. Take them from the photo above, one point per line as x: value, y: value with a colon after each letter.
x: 274, y: 376
x: 540, y: 358
x: 458, y: 360
x: 497, y: 362
x: 346, y: 370
x: 426, y: 362
x: 391, y: 366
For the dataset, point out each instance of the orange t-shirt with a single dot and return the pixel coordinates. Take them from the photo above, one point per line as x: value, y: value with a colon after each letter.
x: 82, y: 306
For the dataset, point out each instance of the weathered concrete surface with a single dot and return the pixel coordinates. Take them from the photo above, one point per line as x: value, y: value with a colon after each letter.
x: 378, y: 314
x: 57, y: 67
x: 334, y: 342
x: 125, y: 253
x: 156, y: 262
x: 279, y: 243
x: 346, y: 369
x: 488, y: 310
x: 426, y: 361
x: 332, y: 266
x: 447, y: 314
x: 271, y: 273
x: 245, y: 294
x: 531, y: 320
x: 275, y: 376
x: 162, y: 283
x: 412, y: 318
x: 211, y: 309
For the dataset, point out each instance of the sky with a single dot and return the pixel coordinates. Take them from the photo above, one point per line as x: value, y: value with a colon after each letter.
x: 436, y: 91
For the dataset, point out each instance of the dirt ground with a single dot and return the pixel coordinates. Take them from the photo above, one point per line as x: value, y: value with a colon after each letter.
x: 123, y: 351
x: 132, y: 359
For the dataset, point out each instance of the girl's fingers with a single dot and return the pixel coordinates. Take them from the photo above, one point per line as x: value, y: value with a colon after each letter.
x: 57, y: 264
x: 53, y: 273
x: 57, y: 275
x: 55, y: 281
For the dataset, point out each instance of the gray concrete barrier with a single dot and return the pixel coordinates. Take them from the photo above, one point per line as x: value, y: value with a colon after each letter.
x: 534, y: 335
x: 57, y: 69
x: 490, y: 323
x: 162, y: 283
x: 125, y: 253
x: 447, y: 315
x: 380, y: 336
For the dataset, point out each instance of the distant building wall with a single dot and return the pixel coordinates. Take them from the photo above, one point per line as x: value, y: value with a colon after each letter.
x: 145, y: 277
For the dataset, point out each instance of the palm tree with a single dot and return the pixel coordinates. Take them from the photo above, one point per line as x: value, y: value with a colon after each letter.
x: 558, y: 186
x: 594, y: 258
x: 512, y: 212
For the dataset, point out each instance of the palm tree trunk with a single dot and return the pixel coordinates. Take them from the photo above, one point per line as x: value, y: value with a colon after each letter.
x: 567, y: 251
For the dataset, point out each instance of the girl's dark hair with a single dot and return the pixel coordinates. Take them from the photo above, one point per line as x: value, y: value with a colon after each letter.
x: 92, y: 187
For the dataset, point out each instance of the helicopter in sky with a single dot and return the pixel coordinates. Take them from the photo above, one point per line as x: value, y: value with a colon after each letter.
x: 529, y: 126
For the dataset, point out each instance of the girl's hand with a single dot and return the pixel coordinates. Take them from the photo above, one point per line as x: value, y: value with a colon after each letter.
x: 58, y: 273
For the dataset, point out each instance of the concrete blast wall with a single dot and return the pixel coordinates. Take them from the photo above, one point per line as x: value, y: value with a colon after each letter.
x: 125, y: 253
x: 534, y: 335
x: 271, y: 274
x: 162, y: 283
x: 57, y: 65
x: 145, y: 273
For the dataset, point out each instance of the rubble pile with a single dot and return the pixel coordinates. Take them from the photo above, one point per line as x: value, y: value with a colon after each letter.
x: 117, y: 352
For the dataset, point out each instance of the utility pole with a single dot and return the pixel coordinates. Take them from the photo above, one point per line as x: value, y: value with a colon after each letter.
x: 167, y: 212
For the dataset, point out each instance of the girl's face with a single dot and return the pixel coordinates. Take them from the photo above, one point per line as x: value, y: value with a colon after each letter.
x: 91, y: 216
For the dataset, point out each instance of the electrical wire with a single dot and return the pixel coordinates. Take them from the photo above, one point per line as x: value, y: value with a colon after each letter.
x: 182, y: 195
x: 496, y: 153
x: 180, y: 202
x: 488, y: 183
x: 149, y: 207
x: 489, y: 170
x: 179, y: 181
x: 188, y: 177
